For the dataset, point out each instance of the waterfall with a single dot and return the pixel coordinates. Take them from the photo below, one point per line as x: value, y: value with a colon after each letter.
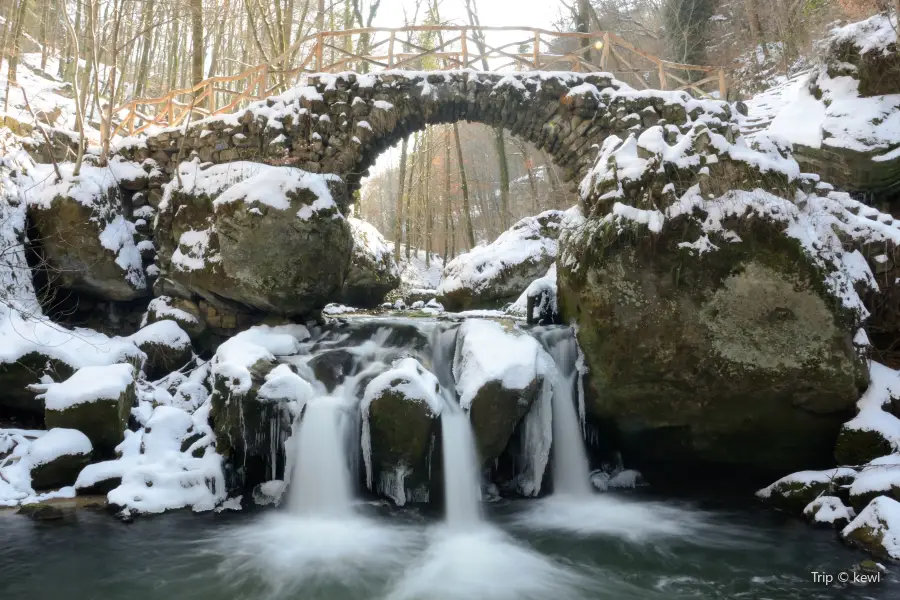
x: 462, y: 486
x: 571, y: 471
x: 321, y: 480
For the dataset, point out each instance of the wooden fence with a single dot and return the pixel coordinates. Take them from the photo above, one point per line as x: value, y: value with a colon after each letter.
x: 451, y: 47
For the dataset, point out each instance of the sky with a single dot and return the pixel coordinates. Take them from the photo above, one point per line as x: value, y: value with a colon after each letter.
x: 526, y: 13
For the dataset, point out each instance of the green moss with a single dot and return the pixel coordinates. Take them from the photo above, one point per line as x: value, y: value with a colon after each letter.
x: 402, y: 430
x: 855, y: 447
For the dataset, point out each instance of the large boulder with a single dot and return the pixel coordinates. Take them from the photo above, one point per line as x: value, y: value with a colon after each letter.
x: 500, y: 376
x: 96, y: 401
x: 84, y: 238
x: 711, y: 313
x: 253, y: 236
x: 400, y: 411
x: 794, y: 493
x: 490, y: 276
x: 373, y: 272
x: 17, y: 377
x: 254, y: 402
x: 57, y: 457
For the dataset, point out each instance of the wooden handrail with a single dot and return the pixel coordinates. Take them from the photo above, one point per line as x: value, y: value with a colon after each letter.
x: 169, y: 111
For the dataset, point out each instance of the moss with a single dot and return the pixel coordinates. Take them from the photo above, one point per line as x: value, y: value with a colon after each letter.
x: 60, y: 472
x: 856, y: 447
x: 16, y: 376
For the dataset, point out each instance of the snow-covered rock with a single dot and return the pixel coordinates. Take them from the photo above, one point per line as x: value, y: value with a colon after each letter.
x: 56, y: 458
x: 876, y: 529
x: 488, y: 276
x: 880, y: 477
x: 373, y: 272
x: 96, y: 401
x: 538, y: 303
x: 873, y: 432
x: 183, y: 312
x: 254, y: 401
x: 400, y: 410
x: 828, y: 510
x: 167, y: 346
x: 501, y: 376
x: 794, y: 492
x: 252, y: 235
x: 88, y: 243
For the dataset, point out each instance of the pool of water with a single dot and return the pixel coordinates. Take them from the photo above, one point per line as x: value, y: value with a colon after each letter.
x: 610, y: 546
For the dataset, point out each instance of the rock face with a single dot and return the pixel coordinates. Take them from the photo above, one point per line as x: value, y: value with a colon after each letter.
x: 400, y: 412
x: 57, y: 457
x: 96, y: 401
x: 373, y: 272
x: 696, y: 358
x: 86, y: 241
x: 17, y: 376
x: 270, y: 239
x: 488, y: 276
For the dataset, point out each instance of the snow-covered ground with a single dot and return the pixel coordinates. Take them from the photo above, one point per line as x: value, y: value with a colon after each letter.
x: 415, y: 274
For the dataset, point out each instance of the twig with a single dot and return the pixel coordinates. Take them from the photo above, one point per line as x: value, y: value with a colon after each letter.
x: 43, y: 131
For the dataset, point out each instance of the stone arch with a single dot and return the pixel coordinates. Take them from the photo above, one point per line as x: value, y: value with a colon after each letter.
x: 341, y: 123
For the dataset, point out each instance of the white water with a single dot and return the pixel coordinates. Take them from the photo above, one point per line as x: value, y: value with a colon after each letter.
x: 571, y: 470
x: 462, y: 487
x: 321, y: 480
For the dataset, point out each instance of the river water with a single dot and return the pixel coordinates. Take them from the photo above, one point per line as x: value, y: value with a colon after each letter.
x: 647, y: 549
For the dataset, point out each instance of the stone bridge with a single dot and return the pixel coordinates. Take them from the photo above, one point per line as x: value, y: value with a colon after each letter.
x: 341, y: 123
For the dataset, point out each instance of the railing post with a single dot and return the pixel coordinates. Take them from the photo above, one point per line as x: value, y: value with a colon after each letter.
x: 663, y: 84
x: 391, y: 49
x: 131, y: 115
x: 536, y: 53
x: 320, y: 46
x: 723, y: 86
x: 465, y: 48
x: 170, y: 110
x: 604, y: 56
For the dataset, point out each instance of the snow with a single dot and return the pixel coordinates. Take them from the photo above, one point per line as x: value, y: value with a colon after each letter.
x: 875, y: 34
x: 370, y: 246
x: 828, y: 509
x: 27, y: 450
x: 282, y: 384
x: 545, y: 284
x: 884, y: 384
x: 235, y: 356
x: 415, y: 275
x: 800, y: 121
x: 88, y: 384
x: 876, y: 478
x: 477, y: 268
x: 163, y: 333
x: 486, y: 352
x: 881, y: 516
x: 252, y: 183
x: 197, y: 250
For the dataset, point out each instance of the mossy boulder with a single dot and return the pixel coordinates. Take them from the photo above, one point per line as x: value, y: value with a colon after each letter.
x: 373, y: 272
x: 167, y: 346
x: 700, y: 344
x: 794, y: 493
x: 44, y: 511
x: 496, y: 412
x: 186, y: 313
x: 96, y: 401
x: 400, y: 416
x: 88, y: 245
x: 16, y: 376
x: 490, y: 276
x: 234, y: 240
x: 248, y: 425
x: 877, y: 529
x: 858, y: 447
x: 57, y: 457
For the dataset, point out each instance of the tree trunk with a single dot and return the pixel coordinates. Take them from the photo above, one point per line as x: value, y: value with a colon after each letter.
x: 470, y: 232
x: 500, y: 146
x: 45, y: 41
x: 426, y: 205
x: 15, y: 50
x: 106, y: 121
x: 447, y: 211
x: 197, y: 39
x: 143, y: 68
x: 217, y: 43
x: 398, y: 222
x: 320, y: 16
x: 173, y: 53
x: 409, y: 190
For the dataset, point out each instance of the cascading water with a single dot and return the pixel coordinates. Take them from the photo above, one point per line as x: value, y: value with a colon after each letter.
x: 571, y: 470
x: 462, y: 486
x: 321, y: 482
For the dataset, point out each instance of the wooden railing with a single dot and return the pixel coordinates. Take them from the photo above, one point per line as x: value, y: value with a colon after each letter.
x: 451, y: 47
